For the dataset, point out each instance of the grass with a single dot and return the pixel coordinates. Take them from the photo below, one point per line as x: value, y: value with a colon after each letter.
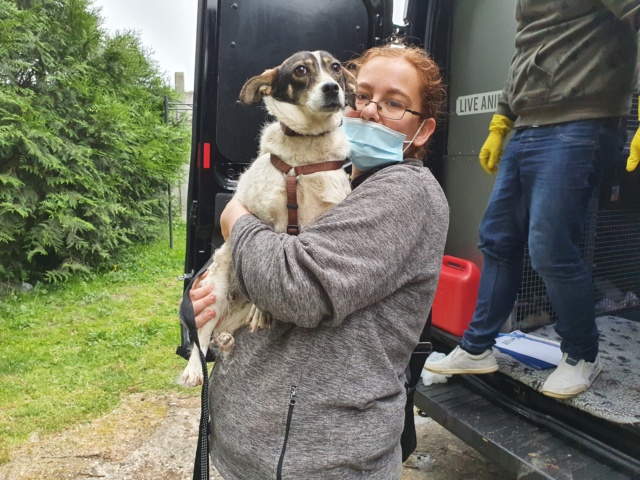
x: 70, y: 353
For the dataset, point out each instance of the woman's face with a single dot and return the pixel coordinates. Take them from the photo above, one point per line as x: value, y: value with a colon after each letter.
x: 383, y: 78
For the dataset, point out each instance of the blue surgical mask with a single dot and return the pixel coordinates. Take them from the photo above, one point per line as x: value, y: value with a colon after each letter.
x: 372, y: 144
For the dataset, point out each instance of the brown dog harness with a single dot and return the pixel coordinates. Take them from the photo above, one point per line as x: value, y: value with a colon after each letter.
x: 292, y: 184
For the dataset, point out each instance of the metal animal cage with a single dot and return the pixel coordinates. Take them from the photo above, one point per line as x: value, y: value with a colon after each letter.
x: 610, y: 248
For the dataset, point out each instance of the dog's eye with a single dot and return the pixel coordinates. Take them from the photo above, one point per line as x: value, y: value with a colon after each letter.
x: 301, y: 71
x: 336, y: 67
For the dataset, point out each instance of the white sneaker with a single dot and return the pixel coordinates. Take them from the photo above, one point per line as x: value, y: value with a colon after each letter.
x: 460, y: 361
x: 571, y: 377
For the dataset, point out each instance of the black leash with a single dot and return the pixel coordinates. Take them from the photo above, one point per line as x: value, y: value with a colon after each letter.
x: 187, y: 317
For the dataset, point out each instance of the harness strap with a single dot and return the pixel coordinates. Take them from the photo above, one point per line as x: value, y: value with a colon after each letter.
x: 292, y: 205
x: 293, y: 227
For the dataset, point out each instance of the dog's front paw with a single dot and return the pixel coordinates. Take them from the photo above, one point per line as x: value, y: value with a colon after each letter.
x: 258, y: 319
x: 192, y: 376
x: 225, y: 342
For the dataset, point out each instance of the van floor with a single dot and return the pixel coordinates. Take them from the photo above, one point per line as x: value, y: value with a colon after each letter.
x: 615, y: 394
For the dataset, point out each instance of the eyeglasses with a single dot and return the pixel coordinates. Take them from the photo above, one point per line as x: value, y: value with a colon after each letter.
x: 390, y: 109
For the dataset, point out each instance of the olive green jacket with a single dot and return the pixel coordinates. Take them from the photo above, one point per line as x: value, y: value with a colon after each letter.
x: 574, y: 60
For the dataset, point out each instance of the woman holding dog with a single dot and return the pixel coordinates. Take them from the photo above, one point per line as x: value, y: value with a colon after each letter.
x: 321, y: 394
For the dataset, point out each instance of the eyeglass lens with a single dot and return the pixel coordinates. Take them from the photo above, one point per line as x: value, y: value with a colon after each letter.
x: 391, y: 109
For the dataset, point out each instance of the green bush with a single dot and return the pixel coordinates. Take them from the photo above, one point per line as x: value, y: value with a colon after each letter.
x: 85, y: 155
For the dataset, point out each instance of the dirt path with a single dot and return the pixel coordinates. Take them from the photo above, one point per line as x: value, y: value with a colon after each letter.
x: 154, y: 437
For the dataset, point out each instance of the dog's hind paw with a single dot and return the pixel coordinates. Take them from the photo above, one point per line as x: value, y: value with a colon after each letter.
x: 191, y: 377
x: 225, y: 342
x: 258, y: 319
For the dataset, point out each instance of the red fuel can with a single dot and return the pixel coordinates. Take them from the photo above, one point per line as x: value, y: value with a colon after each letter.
x: 456, y: 295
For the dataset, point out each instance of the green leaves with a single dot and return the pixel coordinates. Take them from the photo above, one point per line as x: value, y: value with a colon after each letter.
x: 93, y: 340
x: 85, y: 156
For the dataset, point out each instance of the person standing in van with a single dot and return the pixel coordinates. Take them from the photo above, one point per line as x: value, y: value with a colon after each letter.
x: 568, y: 88
x: 321, y: 394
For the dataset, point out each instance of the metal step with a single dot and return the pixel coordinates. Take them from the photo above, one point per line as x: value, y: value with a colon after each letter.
x: 523, y: 448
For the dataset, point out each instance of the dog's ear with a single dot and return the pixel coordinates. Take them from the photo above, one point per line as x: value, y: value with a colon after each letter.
x: 350, y: 82
x: 350, y: 87
x: 257, y: 87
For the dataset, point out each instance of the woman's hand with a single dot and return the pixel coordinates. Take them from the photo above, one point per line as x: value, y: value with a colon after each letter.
x: 201, y: 298
x: 204, y: 296
x: 231, y: 213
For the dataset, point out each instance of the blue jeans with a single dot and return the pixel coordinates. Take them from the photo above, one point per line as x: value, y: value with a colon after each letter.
x: 542, y: 193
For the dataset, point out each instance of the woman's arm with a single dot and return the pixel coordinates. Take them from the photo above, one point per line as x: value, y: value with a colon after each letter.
x: 359, y: 252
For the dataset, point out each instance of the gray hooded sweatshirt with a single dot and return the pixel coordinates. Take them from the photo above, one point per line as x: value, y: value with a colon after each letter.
x: 320, y: 395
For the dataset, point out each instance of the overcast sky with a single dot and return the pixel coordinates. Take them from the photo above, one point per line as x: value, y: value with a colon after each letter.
x: 168, y: 29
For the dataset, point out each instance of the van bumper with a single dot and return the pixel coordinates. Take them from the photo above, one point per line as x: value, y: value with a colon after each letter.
x: 526, y: 449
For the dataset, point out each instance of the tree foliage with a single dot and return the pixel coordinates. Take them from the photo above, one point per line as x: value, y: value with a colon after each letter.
x: 85, y: 155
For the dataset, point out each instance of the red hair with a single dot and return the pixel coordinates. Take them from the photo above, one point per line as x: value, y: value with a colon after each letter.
x: 431, y: 88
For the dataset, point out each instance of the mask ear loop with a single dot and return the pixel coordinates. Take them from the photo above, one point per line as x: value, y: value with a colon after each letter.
x: 414, y: 137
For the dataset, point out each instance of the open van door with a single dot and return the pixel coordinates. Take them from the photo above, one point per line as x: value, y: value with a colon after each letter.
x: 237, y: 40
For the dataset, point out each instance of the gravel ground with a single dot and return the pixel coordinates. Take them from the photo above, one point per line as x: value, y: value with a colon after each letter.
x: 153, y: 437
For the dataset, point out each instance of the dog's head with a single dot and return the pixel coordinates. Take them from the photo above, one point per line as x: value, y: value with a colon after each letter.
x: 309, y: 89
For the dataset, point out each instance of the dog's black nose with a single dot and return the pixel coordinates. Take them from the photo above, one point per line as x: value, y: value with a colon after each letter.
x: 330, y: 88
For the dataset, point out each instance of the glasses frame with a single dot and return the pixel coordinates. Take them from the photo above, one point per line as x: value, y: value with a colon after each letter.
x: 378, y: 107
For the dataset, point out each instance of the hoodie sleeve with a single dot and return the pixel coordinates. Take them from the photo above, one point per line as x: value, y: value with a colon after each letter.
x: 504, y: 107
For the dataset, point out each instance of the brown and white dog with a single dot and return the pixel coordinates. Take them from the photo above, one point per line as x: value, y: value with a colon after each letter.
x: 306, y: 95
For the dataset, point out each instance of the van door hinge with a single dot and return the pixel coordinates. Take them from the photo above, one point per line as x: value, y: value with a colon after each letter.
x: 186, y: 276
x: 193, y: 212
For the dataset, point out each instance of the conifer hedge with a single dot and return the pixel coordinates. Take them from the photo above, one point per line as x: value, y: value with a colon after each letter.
x: 85, y: 155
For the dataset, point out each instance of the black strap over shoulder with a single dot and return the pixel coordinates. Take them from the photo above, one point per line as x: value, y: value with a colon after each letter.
x: 355, y: 182
x: 419, y: 355
x: 187, y: 318
x: 408, y: 440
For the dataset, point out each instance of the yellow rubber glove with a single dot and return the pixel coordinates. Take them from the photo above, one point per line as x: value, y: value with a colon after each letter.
x: 491, y: 151
x: 634, y: 151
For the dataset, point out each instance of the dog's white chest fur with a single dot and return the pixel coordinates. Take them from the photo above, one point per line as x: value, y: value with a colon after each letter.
x: 262, y: 187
